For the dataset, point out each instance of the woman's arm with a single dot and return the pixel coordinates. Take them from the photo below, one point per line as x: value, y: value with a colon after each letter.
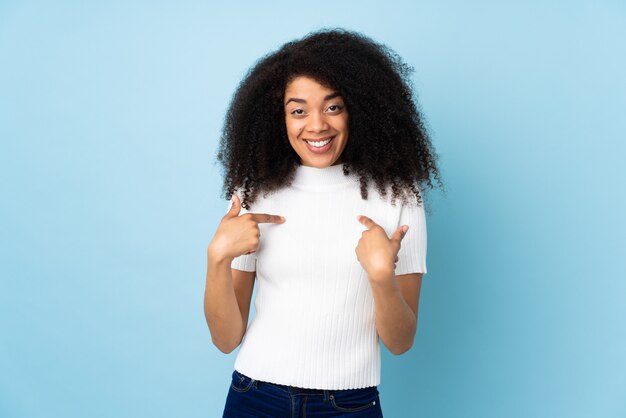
x: 395, y: 297
x: 227, y: 302
x: 228, y: 291
x: 396, y: 302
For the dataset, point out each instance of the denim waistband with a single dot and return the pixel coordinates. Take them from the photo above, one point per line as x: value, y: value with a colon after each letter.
x: 295, y: 389
x: 298, y: 390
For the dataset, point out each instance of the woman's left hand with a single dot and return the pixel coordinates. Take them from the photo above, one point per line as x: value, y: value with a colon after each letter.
x: 376, y: 252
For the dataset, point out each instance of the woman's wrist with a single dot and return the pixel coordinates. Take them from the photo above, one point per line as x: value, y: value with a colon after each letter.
x: 215, y: 256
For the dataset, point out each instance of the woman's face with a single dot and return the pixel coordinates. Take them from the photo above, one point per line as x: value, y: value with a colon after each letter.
x: 314, y: 115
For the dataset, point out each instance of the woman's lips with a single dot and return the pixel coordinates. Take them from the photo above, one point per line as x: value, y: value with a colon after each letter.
x: 320, y: 150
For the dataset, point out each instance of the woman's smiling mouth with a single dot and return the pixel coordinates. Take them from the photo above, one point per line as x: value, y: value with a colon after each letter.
x: 319, y: 146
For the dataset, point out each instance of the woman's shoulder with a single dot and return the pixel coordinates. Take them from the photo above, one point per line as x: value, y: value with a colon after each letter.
x: 405, y: 197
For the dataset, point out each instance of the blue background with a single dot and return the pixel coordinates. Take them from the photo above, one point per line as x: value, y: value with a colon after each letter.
x: 109, y: 119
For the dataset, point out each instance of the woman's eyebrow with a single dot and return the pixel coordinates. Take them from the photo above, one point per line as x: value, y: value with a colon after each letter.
x: 328, y: 97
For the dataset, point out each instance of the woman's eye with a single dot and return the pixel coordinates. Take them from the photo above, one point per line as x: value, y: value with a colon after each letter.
x: 332, y: 108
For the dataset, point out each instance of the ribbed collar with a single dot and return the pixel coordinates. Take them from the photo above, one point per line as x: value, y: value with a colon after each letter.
x: 320, y: 177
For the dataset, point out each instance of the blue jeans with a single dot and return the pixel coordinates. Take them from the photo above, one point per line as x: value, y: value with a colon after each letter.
x: 250, y: 398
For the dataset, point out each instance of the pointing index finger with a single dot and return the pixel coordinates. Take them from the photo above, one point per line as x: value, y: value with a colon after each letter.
x: 267, y: 218
x: 366, y: 221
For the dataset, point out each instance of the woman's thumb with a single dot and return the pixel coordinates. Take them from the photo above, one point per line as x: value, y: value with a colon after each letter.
x: 235, y: 206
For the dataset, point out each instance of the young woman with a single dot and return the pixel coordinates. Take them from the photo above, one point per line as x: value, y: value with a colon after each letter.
x: 325, y: 157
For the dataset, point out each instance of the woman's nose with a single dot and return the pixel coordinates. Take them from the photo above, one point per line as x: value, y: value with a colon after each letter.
x: 317, y: 122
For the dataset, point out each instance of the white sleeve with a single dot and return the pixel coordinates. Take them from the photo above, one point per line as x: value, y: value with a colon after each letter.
x: 245, y: 262
x: 412, y: 254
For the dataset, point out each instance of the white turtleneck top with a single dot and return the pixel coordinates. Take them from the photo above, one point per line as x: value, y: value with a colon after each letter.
x: 314, y: 323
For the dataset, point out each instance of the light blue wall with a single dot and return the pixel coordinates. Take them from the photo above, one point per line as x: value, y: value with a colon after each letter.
x: 109, y: 119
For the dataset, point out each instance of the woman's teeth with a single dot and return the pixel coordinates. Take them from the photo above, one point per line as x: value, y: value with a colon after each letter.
x: 320, y: 144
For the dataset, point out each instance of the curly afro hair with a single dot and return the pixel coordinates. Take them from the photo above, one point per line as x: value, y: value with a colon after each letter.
x: 388, y: 143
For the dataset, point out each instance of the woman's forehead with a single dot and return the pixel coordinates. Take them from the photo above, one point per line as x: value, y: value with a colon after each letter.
x: 302, y: 88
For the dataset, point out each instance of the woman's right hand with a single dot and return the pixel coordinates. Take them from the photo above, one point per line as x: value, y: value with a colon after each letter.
x: 237, y: 235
